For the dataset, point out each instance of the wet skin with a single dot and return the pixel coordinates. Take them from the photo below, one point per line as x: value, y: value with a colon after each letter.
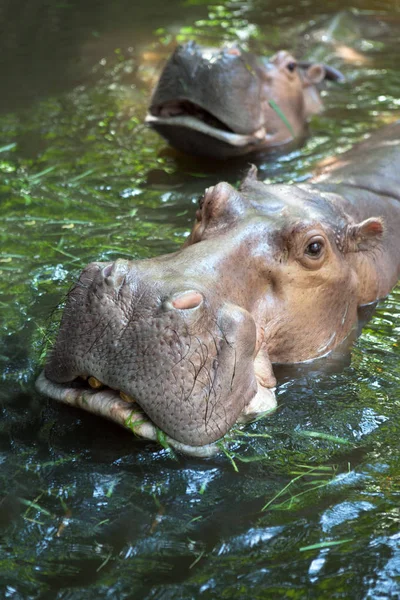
x: 222, y: 103
x: 269, y: 274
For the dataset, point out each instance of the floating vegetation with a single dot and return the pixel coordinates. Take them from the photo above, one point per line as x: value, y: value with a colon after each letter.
x: 321, y: 545
x: 325, y: 475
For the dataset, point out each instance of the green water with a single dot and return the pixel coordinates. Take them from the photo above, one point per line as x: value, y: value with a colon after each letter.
x: 306, y: 505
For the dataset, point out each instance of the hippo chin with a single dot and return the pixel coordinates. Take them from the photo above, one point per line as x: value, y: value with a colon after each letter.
x: 269, y: 274
x: 223, y: 103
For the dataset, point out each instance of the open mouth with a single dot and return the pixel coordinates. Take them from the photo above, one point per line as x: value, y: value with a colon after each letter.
x: 184, y: 113
x: 94, y: 397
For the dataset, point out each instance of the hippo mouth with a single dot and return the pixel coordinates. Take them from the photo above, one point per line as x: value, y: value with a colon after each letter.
x: 186, y: 374
x: 117, y: 407
x: 187, y: 114
x: 92, y: 396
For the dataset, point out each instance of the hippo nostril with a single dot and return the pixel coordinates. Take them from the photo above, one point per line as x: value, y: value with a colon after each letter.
x: 187, y: 300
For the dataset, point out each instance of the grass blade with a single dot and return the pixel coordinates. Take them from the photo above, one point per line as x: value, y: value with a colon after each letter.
x: 8, y: 147
x: 281, y: 115
x: 323, y: 436
x: 283, y: 490
x: 324, y: 545
x: 34, y: 505
x: 37, y: 176
x: 81, y: 176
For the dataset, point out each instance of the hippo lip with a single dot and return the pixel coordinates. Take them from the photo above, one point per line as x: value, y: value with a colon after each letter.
x: 187, y: 114
x: 108, y: 403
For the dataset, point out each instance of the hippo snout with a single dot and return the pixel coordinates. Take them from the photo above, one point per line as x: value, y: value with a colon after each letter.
x: 162, y: 340
x: 114, y: 275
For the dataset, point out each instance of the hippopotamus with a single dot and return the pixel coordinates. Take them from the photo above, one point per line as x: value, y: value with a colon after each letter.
x: 269, y: 274
x: 226, y: 102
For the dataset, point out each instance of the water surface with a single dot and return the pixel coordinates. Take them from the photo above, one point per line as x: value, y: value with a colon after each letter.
x: 306, y: 503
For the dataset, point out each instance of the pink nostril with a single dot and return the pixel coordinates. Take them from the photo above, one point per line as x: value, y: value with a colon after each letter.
x: 187, y: 300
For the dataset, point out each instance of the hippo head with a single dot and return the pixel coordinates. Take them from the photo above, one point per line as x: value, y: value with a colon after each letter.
x: 268, y: 274
x: 228, y: 102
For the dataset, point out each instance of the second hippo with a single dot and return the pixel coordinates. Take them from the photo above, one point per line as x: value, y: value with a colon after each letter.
x: 226, y: 102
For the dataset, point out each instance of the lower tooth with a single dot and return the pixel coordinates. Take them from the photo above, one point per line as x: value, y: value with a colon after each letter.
x: 95, y: 383
x: 126, y: 397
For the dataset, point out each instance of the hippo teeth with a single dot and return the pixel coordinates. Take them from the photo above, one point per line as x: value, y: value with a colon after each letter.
x: 195, y: 124
x: 260, y: 134
x: 126, y: 398
x: 95, y: 383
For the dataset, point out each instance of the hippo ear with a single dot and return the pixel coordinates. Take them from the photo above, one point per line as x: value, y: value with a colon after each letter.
x: 221, y: 202
x: 314, y: 74
x: 313, y: 71
x: 365, y: 235
x: 249, y: 180
x: 251, y: 177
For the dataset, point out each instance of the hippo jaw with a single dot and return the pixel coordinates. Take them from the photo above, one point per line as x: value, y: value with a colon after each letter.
x: 109, y: 404
x: 187, y: 115
x: 192, y: 381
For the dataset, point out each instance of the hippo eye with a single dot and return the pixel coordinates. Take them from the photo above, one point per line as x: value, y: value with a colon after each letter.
x: 314, y: 249
x: 291, y: 66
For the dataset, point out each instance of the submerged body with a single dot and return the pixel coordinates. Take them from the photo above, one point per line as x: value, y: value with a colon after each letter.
x: 227, y: 102
x: 269, y: 274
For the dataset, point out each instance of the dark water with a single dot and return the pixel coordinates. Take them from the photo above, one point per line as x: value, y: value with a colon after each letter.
x: 86, y: 510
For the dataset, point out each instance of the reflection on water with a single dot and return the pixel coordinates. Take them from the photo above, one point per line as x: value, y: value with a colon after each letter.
x: 306, y: 503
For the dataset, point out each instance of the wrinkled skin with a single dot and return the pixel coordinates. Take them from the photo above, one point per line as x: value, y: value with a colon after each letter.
x: 269, y: 274
x: 216, y: 103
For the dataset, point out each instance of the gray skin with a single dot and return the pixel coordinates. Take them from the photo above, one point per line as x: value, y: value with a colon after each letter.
x: 216, y: 103
x: 269, y: 274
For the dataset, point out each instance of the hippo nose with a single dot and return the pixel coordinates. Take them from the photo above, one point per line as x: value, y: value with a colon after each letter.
x: 115, y: 274
x: 186, y: 300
